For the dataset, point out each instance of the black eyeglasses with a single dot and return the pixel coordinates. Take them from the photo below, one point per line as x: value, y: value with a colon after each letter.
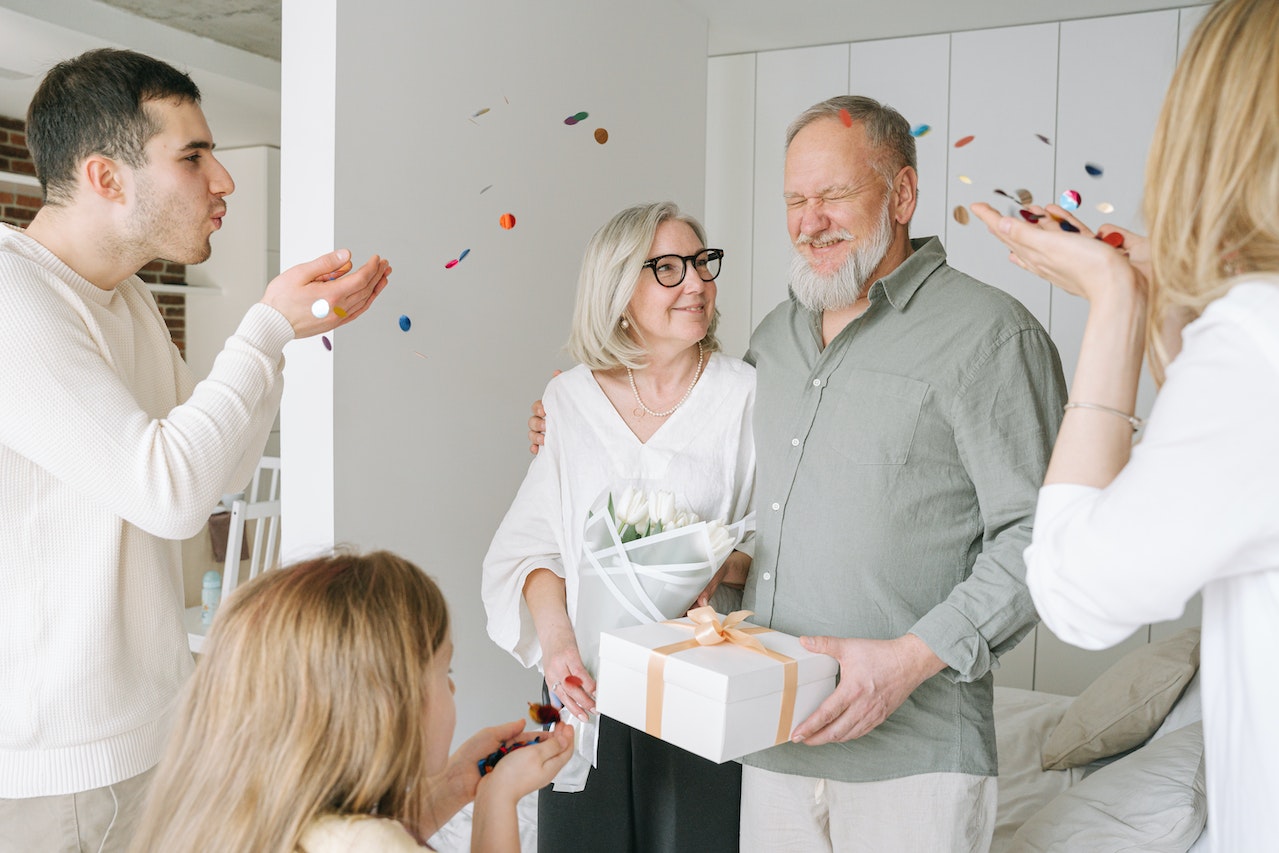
x: 670, y: 269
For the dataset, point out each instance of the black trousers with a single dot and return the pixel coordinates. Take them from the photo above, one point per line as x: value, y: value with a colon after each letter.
x: 645, y: 796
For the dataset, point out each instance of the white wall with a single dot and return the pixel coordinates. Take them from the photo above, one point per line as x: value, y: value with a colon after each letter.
x: 1093, y: 87
x: 428, y: 452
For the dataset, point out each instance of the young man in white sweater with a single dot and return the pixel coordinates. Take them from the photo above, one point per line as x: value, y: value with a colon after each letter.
x: 109, y: 453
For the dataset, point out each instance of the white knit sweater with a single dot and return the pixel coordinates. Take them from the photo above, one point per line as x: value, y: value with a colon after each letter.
x: 108, y: 453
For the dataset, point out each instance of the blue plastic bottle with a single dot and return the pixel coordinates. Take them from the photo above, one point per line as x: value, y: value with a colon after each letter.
x: 210, y: 595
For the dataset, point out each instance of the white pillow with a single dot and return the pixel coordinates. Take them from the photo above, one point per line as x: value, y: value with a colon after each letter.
x: 1151, y: 800
x: 1188, y: 709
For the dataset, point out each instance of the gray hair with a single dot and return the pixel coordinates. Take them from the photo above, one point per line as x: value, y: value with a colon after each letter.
x: 887, y: 130
x: 611, y: 268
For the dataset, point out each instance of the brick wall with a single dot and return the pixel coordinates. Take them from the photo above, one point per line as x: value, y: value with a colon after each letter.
x: 18, y: 206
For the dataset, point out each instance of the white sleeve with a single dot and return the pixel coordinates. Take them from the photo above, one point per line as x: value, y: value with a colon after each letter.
x: 68, y: 411
x: 1196, y: 502
x: 526, y: 540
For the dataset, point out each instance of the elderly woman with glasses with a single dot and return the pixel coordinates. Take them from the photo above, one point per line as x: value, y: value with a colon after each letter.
x: 652, y: 400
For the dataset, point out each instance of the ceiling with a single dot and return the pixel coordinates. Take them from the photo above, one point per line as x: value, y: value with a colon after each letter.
x: 232, y: 47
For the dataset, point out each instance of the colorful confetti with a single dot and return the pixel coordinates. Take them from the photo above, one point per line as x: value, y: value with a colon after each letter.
x: 320, y: 309
x: 465, y: 252
x: 1024, y: 197
x: 543, y: 714
x: 572, y: 681
x: 1043, y: 139
x: 920, y: 130
x: 846, y: 118
x: 328, y: 344
x: 1006, y: 195
x: 574, y: 119
x: 1093, y: 169
x: 1113, y: 238
x: 1070, y: 199
x: 405, y: 323
x: 337, y: 309
x: 486, y: 189
x: 418, y: 354
x: 1105, y: 207
x: 451, y: 264
x: 1030, y: 217
x: 479, y: 112
x: 507, y: 221
x: 1066, y: 226
x: 601, y: 135
x: 964, y: 179
x: 960, y: 143
x: 961, y: 215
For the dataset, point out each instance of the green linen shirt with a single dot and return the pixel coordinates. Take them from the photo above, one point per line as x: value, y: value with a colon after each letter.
x: 898, y: 470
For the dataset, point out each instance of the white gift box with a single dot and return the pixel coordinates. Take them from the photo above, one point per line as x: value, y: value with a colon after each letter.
x: 718, y: 701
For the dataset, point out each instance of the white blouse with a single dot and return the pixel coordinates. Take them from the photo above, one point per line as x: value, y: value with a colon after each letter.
x: 1196, y: 508
x: 704, y: 453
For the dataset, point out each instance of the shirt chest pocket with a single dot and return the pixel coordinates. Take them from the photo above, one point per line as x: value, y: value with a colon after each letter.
x: 869, y: 418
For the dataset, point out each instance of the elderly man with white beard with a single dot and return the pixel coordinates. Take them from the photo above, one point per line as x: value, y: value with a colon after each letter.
x: 904, y: 417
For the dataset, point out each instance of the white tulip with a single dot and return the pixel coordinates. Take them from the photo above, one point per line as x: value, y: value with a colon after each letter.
x: 721, y: 540
x: 632, y: 512
x: 661, y: 509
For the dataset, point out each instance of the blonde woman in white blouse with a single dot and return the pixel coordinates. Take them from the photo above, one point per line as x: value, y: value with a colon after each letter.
x: 654, y: 400
x: 1125, y: 535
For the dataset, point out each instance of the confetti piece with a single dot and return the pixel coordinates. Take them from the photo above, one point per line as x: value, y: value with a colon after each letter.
x: 465, y: 252
x: 922, y: 130
x: 572, y: 681
x: 328, y: 344
x: 543, y: 714
x: 418, y: 354
x: 964, y: 179
x: 1043, y: 139
x: 1030, y: 217
x: 1070, y: 199
x: 507, y: 221
x: 1093, y: 169
x: 337, y: 309
x: 1024, y: 197
x: 479, y: 113
x: 1066, y: 226
x: 451, y: 264
x: 1008, y: 196
x: 486, y: 189
x: 405, y: 323
x: 960, y: 143
x: 961, y: 215
x: 574, y: 119
x: 581, y: 116
x: 846, y: 118
x: 1114, y: 238
x: 320, y: 309
x: 1106, y: 207
x: 601, y: 135
x: 570, y: 121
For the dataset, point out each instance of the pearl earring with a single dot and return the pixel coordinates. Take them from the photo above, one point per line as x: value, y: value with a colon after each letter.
x: 624, y: 324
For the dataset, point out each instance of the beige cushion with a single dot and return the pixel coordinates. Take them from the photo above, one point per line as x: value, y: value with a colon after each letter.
x: 1151, y: 800
x: 1126, y: 704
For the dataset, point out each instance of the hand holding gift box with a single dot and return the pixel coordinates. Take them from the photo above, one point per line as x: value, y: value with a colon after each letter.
x: 719, y: 688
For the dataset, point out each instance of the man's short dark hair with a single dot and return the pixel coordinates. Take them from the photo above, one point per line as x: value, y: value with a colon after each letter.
x: 94, y: 104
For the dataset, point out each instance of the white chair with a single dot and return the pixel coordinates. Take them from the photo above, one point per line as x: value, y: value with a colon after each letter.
x: 260, y: 504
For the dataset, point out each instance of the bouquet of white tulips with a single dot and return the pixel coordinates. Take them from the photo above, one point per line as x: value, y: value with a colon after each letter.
x: 645, y: 559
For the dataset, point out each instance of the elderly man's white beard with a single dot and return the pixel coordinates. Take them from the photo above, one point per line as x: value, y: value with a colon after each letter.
x: 845, y: 286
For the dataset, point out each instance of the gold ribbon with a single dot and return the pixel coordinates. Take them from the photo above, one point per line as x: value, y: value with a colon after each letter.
x: 709, y: 631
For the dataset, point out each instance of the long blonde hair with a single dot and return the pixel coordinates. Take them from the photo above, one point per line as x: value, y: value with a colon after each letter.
x: 309, y: 700
x: 1212, y: 178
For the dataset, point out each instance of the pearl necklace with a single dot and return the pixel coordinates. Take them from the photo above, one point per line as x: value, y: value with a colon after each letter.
x: 645, y: 410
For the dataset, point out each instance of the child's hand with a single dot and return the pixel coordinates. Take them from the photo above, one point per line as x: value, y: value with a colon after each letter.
x: 524, y: 770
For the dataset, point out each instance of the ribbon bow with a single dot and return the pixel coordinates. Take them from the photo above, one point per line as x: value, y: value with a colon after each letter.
x: 709, y: 631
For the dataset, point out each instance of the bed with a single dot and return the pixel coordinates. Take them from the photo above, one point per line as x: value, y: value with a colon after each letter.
x: 1125, y: 763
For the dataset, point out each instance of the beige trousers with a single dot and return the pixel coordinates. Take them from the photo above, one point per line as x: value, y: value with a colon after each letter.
x: 102, y: 819
x: 929, y: 813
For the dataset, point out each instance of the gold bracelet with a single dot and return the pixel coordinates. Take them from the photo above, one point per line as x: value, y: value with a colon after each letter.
x: 1136, y: 422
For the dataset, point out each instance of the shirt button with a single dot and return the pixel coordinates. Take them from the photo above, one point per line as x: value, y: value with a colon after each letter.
x: 768, y: 576
x: 777, y: 506
x: 794, y: 442
x: 817, y: 383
